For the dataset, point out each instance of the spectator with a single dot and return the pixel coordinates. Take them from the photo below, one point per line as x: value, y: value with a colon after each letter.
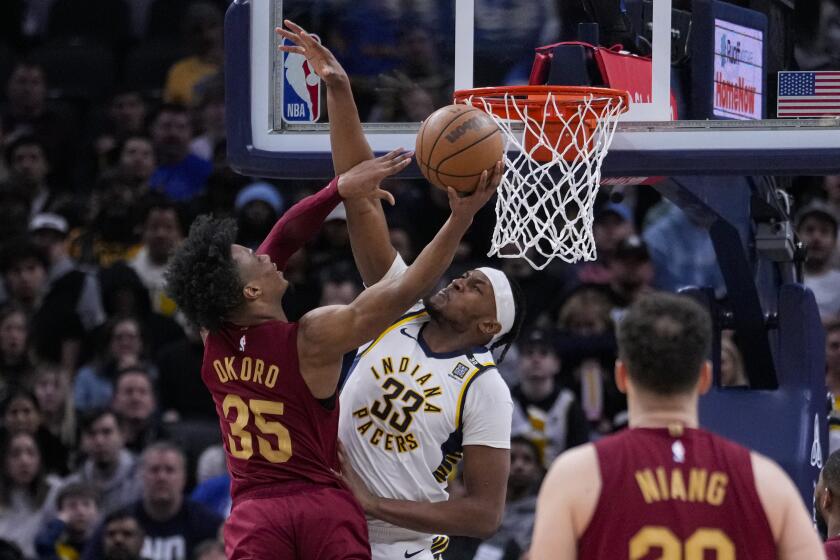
x: 257, y: 207
x: 183, y: 396
x: 187, y: 77
x: 21, y: 414
x: 14, y: 214
x: 211, y: 112
x: 122, y: 537
x: 613, y: 223
x: 125, y: 117
x: 544, y: 410
x: 136, y: 407
x: 682, y: 252
x: 338, y: 287
x: 514, y: 535
x: 173, y: 526
x: 124, y: 295
x: 180, y: 175
x: 832, y: 381
x: 72, y: 305
x: 51, y: 388
x: 14, y: 359
x: 109, y: 467
x: 27, y: 113
x: 24, y: 269
x: 136, y: 163
x: 816, y: 225
x: 588, y: 351
x: 213, y: 481
x: 64, y: 536
x: 631, y: 274
x: 120, y: 346
x: 732, y: 372
x: 29, y: 167
x: 163, y: 230
x: 27, y: 493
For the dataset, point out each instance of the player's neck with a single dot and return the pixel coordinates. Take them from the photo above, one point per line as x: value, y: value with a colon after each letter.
x: 441, y: 338
x: 256, y: 313
x: 647, y: 411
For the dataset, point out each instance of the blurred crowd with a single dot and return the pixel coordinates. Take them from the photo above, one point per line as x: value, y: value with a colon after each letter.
x: 113, y: 140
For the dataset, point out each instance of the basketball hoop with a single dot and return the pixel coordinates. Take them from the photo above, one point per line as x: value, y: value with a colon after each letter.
x: 561, y: 135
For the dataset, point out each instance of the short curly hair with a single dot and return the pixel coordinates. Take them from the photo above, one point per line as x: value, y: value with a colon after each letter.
x: 202, y: 278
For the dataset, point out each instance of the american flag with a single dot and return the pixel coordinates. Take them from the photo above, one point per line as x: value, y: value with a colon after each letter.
x: 809, y: 94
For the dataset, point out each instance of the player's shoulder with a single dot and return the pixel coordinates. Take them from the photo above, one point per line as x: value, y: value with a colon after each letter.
x: 579, y: 464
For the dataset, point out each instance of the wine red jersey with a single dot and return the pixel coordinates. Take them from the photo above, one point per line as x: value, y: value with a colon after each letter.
x: 832, y: 548
x: 274, y: 431
x: 676, y: 494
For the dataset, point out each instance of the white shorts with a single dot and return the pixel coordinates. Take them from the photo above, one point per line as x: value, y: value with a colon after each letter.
x: 427, y: 548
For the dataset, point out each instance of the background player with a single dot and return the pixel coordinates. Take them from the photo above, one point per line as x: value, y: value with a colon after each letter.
x: 664, y: 484
x: 827, y: 504
x: 405, y: 428
x: 273, y: 382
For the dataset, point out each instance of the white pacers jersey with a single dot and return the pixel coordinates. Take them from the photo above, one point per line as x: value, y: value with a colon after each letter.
x: 407, y: 412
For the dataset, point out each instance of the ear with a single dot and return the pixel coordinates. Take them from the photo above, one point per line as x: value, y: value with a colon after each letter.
x: 827, y: 499
x: 621, y: 376
x: 489, y: 327
x: 706, y: 378
x: 251, y: 292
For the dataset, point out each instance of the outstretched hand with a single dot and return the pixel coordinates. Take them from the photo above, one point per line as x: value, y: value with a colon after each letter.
x: 467, y: 206
x: 363, y: 180
x: 320, y: 58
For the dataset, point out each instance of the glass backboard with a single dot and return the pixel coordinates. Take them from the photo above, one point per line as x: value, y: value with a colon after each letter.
x: 721, y: 68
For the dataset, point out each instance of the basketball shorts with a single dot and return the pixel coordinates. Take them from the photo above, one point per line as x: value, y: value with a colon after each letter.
x: 316, y: 523
x: 422, y: 548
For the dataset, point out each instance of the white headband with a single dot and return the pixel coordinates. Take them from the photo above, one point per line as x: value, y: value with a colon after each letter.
x: 505, y: 307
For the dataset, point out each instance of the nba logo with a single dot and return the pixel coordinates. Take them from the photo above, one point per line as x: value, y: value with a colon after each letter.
x: 301, y: 89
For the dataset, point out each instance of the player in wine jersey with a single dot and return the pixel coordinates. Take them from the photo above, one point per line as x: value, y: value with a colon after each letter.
x: 827, y: 505
x: 274, y: 382
x: 665, y: 488
x: 425, y: 392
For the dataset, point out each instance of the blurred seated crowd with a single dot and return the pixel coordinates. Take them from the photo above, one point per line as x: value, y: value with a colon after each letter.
x: 112, y: 132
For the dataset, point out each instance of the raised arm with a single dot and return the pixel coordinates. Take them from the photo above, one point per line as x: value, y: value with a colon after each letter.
x: 327, y: 333
x: 369, y: 237
x: 299, y: 224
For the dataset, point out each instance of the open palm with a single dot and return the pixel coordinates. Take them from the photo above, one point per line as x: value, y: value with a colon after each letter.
x: 322, y: 61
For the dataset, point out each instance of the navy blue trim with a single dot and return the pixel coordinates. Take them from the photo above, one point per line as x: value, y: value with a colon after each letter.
x: 348, y: 364
x: 445, y: 355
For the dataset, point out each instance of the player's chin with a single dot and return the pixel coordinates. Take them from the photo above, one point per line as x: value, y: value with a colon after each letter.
x: 435, y: 303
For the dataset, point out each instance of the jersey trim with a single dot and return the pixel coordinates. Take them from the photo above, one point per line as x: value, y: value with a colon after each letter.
x: 470, y: 377
x: 400, y: 322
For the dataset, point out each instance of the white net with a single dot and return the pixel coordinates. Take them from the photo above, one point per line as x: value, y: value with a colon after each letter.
x: 544, y: 208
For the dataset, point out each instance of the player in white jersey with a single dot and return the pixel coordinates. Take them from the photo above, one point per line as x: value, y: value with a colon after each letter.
x: 425, y: 393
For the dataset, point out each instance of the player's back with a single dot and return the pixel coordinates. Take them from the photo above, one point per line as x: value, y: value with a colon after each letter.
x: 275, y: 433
x: 678, y: 493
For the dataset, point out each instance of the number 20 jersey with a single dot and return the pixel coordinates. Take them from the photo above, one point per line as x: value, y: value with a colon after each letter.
x: 274, y: 431
x: 676, y: 494
x: 407, y: 412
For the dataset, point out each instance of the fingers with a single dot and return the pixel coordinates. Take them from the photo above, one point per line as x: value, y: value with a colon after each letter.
x: 393, y: 154
x: 482, y: 183
x: 453, y: 195
x: 382, y: 194
x: 293, y: 26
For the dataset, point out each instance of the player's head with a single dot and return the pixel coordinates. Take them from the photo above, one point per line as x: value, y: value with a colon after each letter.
x: 483, y: 303
x: 663, y: 344
x: 210, y: 277
x: 827, y: 494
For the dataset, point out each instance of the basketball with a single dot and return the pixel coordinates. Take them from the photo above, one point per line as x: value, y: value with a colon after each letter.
x: 456, y: 144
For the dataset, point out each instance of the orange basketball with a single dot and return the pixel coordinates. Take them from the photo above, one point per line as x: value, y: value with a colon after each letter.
x: 455, y: 144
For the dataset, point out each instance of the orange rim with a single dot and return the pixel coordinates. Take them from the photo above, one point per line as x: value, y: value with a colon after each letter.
x: 567, y: 98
